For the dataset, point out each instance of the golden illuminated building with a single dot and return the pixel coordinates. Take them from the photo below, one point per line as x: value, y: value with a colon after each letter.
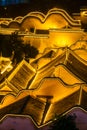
x: 53, y: 82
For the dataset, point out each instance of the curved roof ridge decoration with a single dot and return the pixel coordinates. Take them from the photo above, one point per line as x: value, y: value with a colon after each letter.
x: 31, y: 14
x: 36, y: 13
x: 42, y: 17
x: 71, y: 73
x: 71, y: 100
x: 12, y: 22
x: 74, y: 108
x: 58, y: 79
x: 47, y: 70
x: 76, y: 64
x: 65, y: 94
x: 30, y: 118
x: 72, y: 23
x: 64, y: 12
x: 77, y: 56
x: 18, y: 18
x: 21, y: 94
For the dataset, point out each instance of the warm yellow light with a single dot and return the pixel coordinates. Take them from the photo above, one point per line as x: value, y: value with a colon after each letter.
x: 64, y: 37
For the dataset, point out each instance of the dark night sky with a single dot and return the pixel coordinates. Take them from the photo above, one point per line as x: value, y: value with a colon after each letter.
x: 13, y: 10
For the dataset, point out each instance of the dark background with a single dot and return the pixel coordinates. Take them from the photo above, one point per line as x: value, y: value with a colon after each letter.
x: 13, y: 8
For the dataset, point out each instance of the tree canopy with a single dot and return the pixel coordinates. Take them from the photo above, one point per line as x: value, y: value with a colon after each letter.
x: 10, y: 44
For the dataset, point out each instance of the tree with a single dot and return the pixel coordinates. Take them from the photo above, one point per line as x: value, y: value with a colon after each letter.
x: 5, y: 45
x: 30, y: 51
x: 66, y: 122
x: 21, y: 50
x: 13, y: 46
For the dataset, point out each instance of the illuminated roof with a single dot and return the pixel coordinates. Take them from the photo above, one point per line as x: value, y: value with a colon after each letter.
x: 58, y: 82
